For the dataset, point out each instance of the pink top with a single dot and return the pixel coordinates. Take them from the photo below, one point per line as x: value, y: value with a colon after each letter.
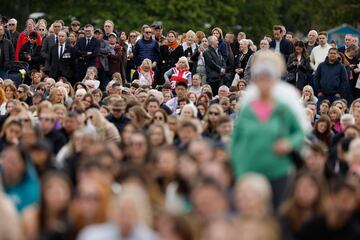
x: 262, y: 110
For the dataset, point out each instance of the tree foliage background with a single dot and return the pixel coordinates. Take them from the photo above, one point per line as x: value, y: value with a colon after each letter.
x: 255, y: 17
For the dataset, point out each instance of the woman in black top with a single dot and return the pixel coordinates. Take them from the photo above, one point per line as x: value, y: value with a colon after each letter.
x: 242, y: 58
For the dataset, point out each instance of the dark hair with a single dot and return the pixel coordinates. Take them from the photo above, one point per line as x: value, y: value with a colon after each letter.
x: 173, y: 32
x: 301, y: 44
x: 326, y: 101
x: 323, y: 33
x: 277, y: 28
x: 333, y: 49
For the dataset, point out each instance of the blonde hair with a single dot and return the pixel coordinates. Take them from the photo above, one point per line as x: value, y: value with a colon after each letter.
x: 190, y: 33
x: 186, y: 62
x: 146, y: 63
x: 269, y: 56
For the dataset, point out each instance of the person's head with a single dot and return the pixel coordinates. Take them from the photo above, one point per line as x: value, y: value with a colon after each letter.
x: 332, y: 55
x: 12, y: 24
x: 11, y: 130
x: 189, y: 111
x: 23, y: 91
x: 253, y: 196
x: 218, y: 33
x: 10, y: 91
x: 30, y: 25
x: 57, y: 26
x: 334, y: 113
x: 46, y: 120
x: 187, y: 131
x: 89, y: 30
x: 108, y: 26
x: 229, y: 37
x: 352, y: 131
x: 33, y: 37
x: 190, y: 37
x: 158, y: 134
x: 56, y: 194
x: 171, y: 36
x: 299, y: 48
x: 62, y: 36
x: 267, y: 70
x: 213, y: 114
x: 264, y: 44
x: 118, y: 108
x: 225, y: 126
x: 90, y: 205
x: 324, y: 107
x: 241, y: 35
x: 151, y: 105
x: 242, y: 84
x: 289, y: 36
x: 347, y: 120
x: 75, y: 25
x: 315, y: 158
x: 348, y: 39
x: 323, y: 38
x: 13, y: 165
x: 196, y: 80
x: 308, y: 91
x: 277, y: 32
x: 183, y: 63
x: 244, y: 45
x: 174, y: 227
x: 213, y: 42
x: 223, y: 91
x: 181, y: 89
x: 312, y: 36
x: 138, y: 148
x: 323, y: 125
x: 112, y: 38
x: 146, y: 32
x: 208, y: 198
x: 352, y: 50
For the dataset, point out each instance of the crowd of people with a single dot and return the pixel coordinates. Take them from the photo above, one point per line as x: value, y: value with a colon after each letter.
x: 154, y: 134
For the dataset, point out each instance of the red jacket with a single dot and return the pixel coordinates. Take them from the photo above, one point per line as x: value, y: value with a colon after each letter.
x: 22, y: 39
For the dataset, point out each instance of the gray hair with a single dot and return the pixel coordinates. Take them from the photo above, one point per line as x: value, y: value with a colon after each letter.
x: 13, y: 20
x: 347, y: 117
x: 211, y: 39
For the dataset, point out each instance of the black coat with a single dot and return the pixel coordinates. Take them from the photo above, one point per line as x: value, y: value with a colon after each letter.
x: 241, y: 60
x: 86, y: 55
x: 62, y: 66
x: 286, y: 47
x: 35, y: 54
x: 213, y: 64
x: 169, y: 59
x: 7, y: 54
x: 298, y: 74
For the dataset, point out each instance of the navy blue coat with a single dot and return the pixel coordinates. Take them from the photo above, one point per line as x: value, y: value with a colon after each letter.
x: 286, y: 48
x: 146, y: 49
x: 331, y: 79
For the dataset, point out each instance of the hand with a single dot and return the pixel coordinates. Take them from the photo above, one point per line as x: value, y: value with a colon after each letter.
x: 154, y: 65
x: 29, y: 58
x: 241, y: 70
x: 222, y: 71
x: 320, y: 94
x: 282, y: 147
x: 237, y: 70
x: 337, y: 95
x: 306, y: 98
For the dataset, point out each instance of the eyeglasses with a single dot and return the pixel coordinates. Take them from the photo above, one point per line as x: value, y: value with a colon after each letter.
x: 11, y: 24
x: 158, y: 118
x: 41, y: 29
x: 107, y: 26
x: 19, y: 91
x: 148, y: 32
x: 24, y: 120
x: 214, y: 113
x: 132, y: 36
x: 117, y: 109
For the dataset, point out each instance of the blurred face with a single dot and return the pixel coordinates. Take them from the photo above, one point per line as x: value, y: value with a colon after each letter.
x: 324, y: 108
x: 180, y: 91
x: 70, y: 124
x: 138, y: 146
x: 264, y: 44
x: 298, y: 50
x: 57, y: 28
x: 46, y: 122
x: 217, y: 34
x: 167, y: 96
x: 9, y: 93
x: 147, y: 33
x: 243, y: 46
x: 322, y: 40
x: 332, y: 55
x: 72, y: 38
x: 13, y: 133
x: 159, y: 118
x: 60, y: 114
x: 57, y: 194
x: 315, y: 162
x: 201, y: 109
x: 126, y: 134
x: 187, y: 134
x: 30, y: 27
x: 264, y: 83
x: 13, y: 167
x: 89, y: 32
x: 205, y: 42
x: 289, y: 37
x: 166, y: 164
x: 213, y: 114
x: 171, y: 37
x: 357, y: 118
x: 187, y: 113
x: 207, y: 201
x: 348, y: 40
x: 87, y: 102
x: 62, y: 37
x: 190, y: 39
x: 306, y: 192
x: 11, y: 25
x: 182, y: 64
x: 196, y: 80
x: 75, y: 27
x: 321, y: 127
x: 277, y: 35
x: 89, y: 199
x: 141, y: 97
x: 192, y: 97
x: 156, y: 137
x: 123, y: 36
x: 112, y: 39
x: 312, y: 36
x: 108, y: 27
x: 247, y: 201
x: 152, y: 107
x: 225, y: 128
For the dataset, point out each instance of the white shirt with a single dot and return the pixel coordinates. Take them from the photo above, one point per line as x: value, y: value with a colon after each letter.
x: 61, y: 51
x: 318, y: 55
x: 277, y: 46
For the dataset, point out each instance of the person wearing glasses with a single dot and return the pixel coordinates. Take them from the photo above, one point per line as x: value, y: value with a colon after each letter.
x: 30, y: 52
x: 12, y: 25
x: 130, y: 65
x: 24, y: 94
x: 146, y: 47
x: 49, y: 42
x: 42, y: 31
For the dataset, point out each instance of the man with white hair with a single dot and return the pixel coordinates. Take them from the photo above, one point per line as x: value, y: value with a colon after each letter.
x: 11, y: 25
x: 348, y: 41
x: 312, y: 41
x: 214, y: 64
